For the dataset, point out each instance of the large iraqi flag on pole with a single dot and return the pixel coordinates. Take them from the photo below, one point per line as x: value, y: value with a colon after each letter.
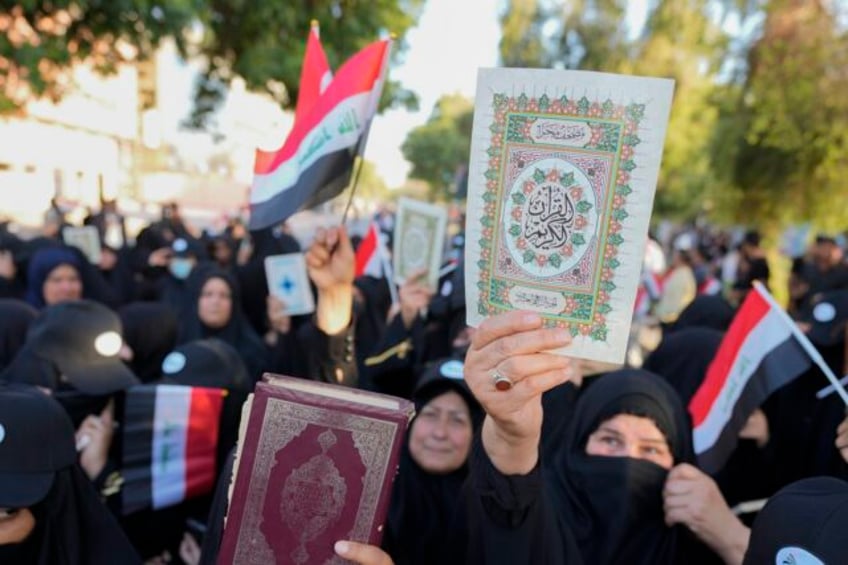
x: 170, y: 444
x: 316, y: 160
x: 762, y: 351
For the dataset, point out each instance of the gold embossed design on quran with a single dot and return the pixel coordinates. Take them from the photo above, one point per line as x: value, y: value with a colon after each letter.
x: 282, y: 423
x: 313, y: 497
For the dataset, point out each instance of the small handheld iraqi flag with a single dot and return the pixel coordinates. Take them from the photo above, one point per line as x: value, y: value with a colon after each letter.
x: 760, y: 353
x: 369, y: 253
x: 316, y: 160
x: 169, y: 445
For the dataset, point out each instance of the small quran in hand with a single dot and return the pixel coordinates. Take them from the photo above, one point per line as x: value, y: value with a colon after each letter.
x: 315, y: 465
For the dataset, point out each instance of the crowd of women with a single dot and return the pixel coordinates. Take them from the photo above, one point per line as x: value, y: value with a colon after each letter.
x: 567, y: 466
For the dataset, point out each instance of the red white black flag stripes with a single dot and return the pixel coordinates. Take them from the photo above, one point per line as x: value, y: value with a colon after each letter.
x: 169, y: 444
x: 759, y: 354
x: 316, y: 161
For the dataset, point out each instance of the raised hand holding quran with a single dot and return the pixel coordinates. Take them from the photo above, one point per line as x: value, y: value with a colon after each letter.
x: 315, y: 466
x: 563, y: 170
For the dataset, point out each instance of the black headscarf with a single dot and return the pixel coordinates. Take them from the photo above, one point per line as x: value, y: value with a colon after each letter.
x: 15, y: 318
x: 73, y: 527
x: 237, y: 332
x: 683, y: 357
x: 706, y: 311
x: 806, y: 519
x: 425, y: 515
x: 42, y: 263
x: 150, y: 331
x: 613, y: 506
x: 252, y: 275
x: 371, y: 313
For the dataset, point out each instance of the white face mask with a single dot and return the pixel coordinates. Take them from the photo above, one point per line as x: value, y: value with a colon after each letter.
x: 180, y: 268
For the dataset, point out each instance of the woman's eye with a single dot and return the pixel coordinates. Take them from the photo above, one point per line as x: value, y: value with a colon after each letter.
x: 611, y: 440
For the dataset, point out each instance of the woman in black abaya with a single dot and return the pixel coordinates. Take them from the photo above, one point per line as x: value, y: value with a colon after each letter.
x: 15, y: 319
x: 216, y: 312
x: 619, y: 487
x: 150, y: 330
x: 683, y: 359
x: 49, y: 512
x: 424, y: 520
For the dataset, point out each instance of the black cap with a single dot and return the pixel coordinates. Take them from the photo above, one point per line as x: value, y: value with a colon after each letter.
x: 36, y: 440
x: 83, y: 339
x: 206, y: 362
x: 442, y: 376
x: 803, y: 523
x: 827, y: 316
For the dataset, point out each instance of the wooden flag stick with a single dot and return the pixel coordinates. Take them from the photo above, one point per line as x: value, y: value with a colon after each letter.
x: 360, y: 161
x: 804, y: 341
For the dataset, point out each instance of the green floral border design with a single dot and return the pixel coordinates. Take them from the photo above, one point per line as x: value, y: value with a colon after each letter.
x: 616, y: 134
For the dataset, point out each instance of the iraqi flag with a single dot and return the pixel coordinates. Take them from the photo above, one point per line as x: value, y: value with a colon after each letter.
x: 315, y: 162
x: 369, y: 260
x: 315, y: 74
x: 758, y: 355
x: 169, y: 445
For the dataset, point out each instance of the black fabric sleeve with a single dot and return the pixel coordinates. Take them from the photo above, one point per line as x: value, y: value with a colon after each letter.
x: 510, y: 517
x: 330, y: 358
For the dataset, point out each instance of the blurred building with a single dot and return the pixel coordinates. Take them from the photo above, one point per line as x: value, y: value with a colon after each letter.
x: 123, y: 136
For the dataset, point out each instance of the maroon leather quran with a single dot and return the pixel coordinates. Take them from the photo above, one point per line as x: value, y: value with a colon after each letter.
x: 315, y: 465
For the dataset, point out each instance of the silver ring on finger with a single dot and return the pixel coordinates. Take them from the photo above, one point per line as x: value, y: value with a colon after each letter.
x: 501, y: 381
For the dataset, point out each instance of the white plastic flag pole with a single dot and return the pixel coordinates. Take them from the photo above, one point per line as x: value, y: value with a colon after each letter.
x: 829, y: 389
x: 804, y: 341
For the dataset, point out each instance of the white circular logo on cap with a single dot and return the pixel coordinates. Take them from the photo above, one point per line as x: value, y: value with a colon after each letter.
x: 824, y: 312
x: 796, y: 556
x: 452, y: 369
x: 108, y: 344
x: 2, y: 433
x: 173, y: 363
x: 447, y: 288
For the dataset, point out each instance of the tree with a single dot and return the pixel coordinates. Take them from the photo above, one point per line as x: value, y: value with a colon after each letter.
x: 261, y: 41
x: 679, y: 41
x: 441, y: 146
x: 40, y: 41
x: 578, y: 34
x: 780, y: 145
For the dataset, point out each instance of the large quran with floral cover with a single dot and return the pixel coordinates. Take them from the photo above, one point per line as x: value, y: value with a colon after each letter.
x: 564, y: 166
x: 315, y: 465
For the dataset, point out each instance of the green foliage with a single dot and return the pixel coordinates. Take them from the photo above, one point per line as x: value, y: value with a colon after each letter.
x: 780, y: 144
x: 41, y: 39
x: 261, y: 41
x: 758, y: 127
x: 441, y: 146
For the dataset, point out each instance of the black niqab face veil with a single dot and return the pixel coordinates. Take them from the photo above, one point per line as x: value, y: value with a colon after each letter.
x: 613, y: 505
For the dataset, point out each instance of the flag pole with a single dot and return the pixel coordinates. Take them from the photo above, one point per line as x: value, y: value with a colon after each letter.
x: 360, y: 160
x: 373, y: 110
x: 804, y: 341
